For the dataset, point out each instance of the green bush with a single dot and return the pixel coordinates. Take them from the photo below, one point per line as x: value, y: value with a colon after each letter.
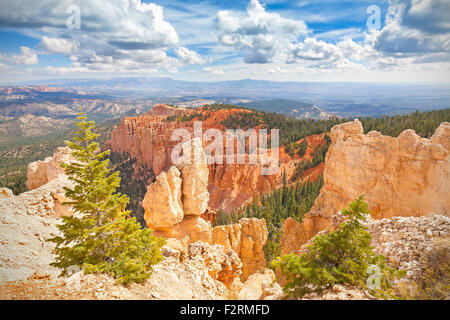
x: 101, y: 237
x: 338, y: 257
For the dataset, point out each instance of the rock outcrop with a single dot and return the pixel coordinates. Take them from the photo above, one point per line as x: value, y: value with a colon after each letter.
x: 162, y: 202
x: 194, y: 173
x: 174, y: 202
x: 247, y: 238
x: 42, y: 172
x: 148, y: 139
x: 165, y: 212
x: 403, y: 176
x: 26, y: 222
x: 260, y: 286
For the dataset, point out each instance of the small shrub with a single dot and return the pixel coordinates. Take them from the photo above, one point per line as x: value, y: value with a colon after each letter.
x: 339, y: 257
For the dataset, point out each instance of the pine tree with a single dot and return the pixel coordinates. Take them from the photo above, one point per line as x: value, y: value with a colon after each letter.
x: 338, y: 257
x: 101, y: 237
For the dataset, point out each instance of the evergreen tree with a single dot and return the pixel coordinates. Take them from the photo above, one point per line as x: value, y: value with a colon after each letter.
x: 339, y: 257
x: 101, y: 237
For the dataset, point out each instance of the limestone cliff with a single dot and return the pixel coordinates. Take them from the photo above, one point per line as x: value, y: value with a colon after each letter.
x: 403, y: 176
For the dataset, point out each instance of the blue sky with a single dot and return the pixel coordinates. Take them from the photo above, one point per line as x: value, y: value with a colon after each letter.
x: 303, y: 40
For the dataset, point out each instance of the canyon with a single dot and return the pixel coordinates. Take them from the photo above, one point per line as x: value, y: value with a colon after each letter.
x: 148, y: 139
x: 404, y: 180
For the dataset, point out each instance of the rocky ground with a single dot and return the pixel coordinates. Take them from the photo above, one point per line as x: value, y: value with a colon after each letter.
x: 197, y: 271
x: 406, y: 242
x: 192, y: 272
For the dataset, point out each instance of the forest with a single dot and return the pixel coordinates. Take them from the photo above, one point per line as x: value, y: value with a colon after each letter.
x: 289, y: 201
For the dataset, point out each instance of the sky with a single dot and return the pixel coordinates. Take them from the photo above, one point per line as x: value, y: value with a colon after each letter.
x: 280, y: 40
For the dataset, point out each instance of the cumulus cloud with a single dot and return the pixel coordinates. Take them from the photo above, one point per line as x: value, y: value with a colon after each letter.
x: 26, y: 56
x: 130, y: 34
x: 55, y: 45
x: 258, y: 34
x: 188, y: 56
x: 415, y: 32
x: 416, y: 28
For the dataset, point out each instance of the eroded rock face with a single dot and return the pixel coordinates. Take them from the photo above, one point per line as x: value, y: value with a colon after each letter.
x: 5, y: 192
x: 26, y: 222
x: 148, y: 139
x: 190, y: 229
x: 223, y: 265
x: 42, y: 172
x: 162, y: 202
x: 247, y: 238
x: 165, y: 212
x: 194, y: 172
x: 403, y: 176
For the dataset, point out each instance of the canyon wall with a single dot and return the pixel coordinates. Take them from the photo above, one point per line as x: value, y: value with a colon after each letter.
x: 403, y: 176
x: 148, y: 139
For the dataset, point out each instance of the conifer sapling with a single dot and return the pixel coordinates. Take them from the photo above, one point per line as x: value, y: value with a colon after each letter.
x: 101, y: 237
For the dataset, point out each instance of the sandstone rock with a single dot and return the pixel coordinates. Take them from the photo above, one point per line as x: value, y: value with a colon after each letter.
x: 258, y: 285
x: 5, y: 192
x: 162, y: 202
x: 253, y: 240
x: 148, y: 139
x: 404, y: 176
x: 191, y: 229
x: 222, y: 266
x: 194, y: 172
x: 42, y: 172
x: 247, y: 238
x: 229, y: 236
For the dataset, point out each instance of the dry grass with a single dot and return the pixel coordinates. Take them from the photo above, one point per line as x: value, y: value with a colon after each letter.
x: 434, y: 283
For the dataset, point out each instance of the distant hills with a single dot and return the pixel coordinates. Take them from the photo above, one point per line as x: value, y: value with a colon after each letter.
x: 298, y: 110
x: 340, y: 98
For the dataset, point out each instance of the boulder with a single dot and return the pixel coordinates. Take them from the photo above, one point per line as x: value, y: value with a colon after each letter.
x: 259, y: 286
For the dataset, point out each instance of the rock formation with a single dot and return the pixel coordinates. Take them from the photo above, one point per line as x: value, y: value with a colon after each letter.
x: 194, y: 173
x: 42, y: 172
x: 162, y: 203
x: 247, y: 238
x: 148, y: 139
x: 173, y: 205
x: 260, y: 286
x: 165, y: 212
x: 26, y: 222
x: 403, y: 176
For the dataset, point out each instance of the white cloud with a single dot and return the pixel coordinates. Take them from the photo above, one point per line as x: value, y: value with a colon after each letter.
x: 216, y: 72
x: 188, y: 56
x: 26, y: 56
x: 415, y: 28
x: 55, y: 45
x: 258, y: 34
x: 130, y: 34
